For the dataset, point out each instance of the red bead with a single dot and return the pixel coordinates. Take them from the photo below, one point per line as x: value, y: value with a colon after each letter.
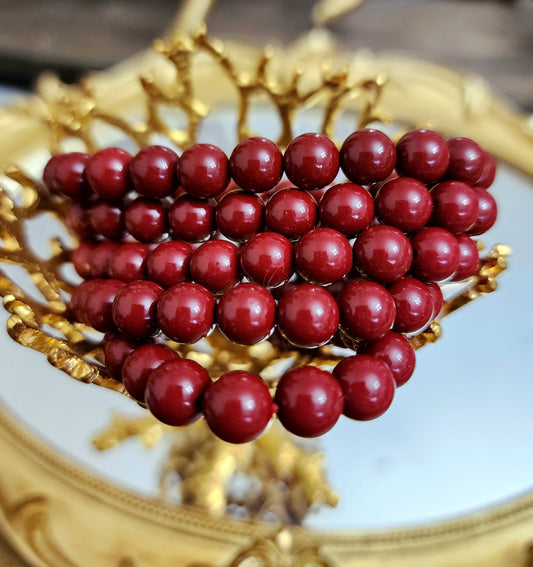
x: 215, y: 265
x: 397, y: 353
x: 79, y: 296
x: 323, y: 256
x: 414, y: 305
x: 310, y: 401
x: 246, y: 313
x: 487, y: 213
x: 455, y: 206
x: 468, y: 258
x: 107, y: 219
x: 146, y: 219
x: 168, y: 264
x: 382, y: 253
x: 100, y: 258
x: 69, y: 173
x: 99, y: 303
x: 134, y: 309
x: 348, y: 208
x: 488, y: 172
x: 405, y: 203
x: 49, y: 174
x: 191, y: 219
x: 308, y: 316
x: 368, y: 386
x: 256, y: 164
x: 267, y: 259
x: 367, y: 310
x: 311, y: 161
x: 81, y: 259
x: 239, y: 215
x: 437, y: 297
x: 422, y: 154
x: 129, y: 262
x: 140, y: 364
x: 116, y: 350
x: 367, y: 156
x: 238, y: 406
x: 108, y: 173
x: 174, y: 391
x: 436, y: 254
x: 185, y: 312
x: 291, y: 212
x: 153, y: 171
x: 203, y: 171
x: 466, y: 160
x: 78, y: 221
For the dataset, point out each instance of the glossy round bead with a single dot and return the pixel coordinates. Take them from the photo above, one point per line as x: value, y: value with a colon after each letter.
x: 468, y: 258
x: 146, y: 219
x: 367, y: 310
x: 134, y: 309
x: 487, y: 213
x: 99, y: 304
x: 405, y: 203
x: 49, y: 174
x: 69, y: 175
x: 191, y: 219
x: 435, y: 254
x: 116, y: 349
x: 107, y: 219
x: 174, y: 391
x: 100, y: 258
x: 397, y: 353
x: 153, y: 171
x: 309, y: 400
x: 203, y: 171
x: 455, y: 206
x: 367, y: 156
x: 246, y: 313
x: 382, y: 253
x: 466, y: 160
x: 238, y: 406
x: 107, y: 173
x: 140, y: 364
x: 368, y: 386
x: 422, y: 154
x: 348, y: 208
x: 168, y: 264
x: 323, y: 256
x: 215, y: 265
x: 129, y: 262
x: 256, y: 164
x: 81, y: 259
x: 78, y: 299
x: 311, y: 161
x: 78, y: 221
x: 488, y: 172
x: 308, y: 316
x: 239, y: 215
x: 437, y: 297
x: 267, y: 259
x: 185, y: 312
x: 291, y: 212
x: 414, y: 305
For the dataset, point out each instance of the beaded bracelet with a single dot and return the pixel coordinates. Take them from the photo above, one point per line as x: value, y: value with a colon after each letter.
x: 174, y: 246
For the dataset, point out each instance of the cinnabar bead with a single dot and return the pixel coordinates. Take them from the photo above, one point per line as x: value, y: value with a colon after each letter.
x: 291, y: 212
x: 488, y: 172
x: 191, y: 219
x: 108, y: 173
x: 468, y: 258
x: 455, y: 206
x: 414, y: 305
x: 78, y: 220
x: 239, y: 215
x: 174, y: 391
x: 436, y: 254
x: 215, y: 265
x: 116, y: 349
x: 437, y: 297
x: 128, y: 263
x: 98, y: 307
x: 107, y: 219
x: 309, y: 400
x: 100, y: 258
x: 81, y: 258
x: 203, y: 171
x: 153, y: 171
x: 146, y: 219
x: 168, y: 263
x: 69, y: 173
x: 466, y: 160
x: 397, y: 353
x: 487, y: 213
x: 238, y: 406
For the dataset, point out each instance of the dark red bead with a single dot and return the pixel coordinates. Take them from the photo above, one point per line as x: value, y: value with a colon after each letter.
x: 246, y: 313
x: 99, y: 305
x: 455, y: 206
x: 291, y: 212
x: 267, y: 259
x: 414, y: 305
x: 185, y: 312
x: 367, y: 156
x: 100, y: 258
x: 256, y: 164
x: 348, y: 208
x: 437, y: 297
x: 367, y: 310
x: 140, y: 364
x: 81, y: 259
x: 311, y: 161
x: 239, y: 215
x: 107, y: 219
x: 435, y: 254
x: 153, y: 171
x: 129, y: 262
x: 146, y: 219
x: 108, y: 173
x: 308, y: 316
x: 466, y: 160
x: 78, y: 221
x: 49, y: 174
x: 382, y: 253
x: 78, y: 299
x: 191, y: 219
x: 405, y: 203
x: 397, y: 353
x: 487, y: 213
x: 174, y: 391
x: 203, y: 171
x: 323, y: 256
x: 168, y: 264
x: 468, y: 258
x: 422, y: 154
x: 309, y: 400
x: 116, y: 349
x: 368, y: 386
x: 238, y: 406
x: 69, y: 173
x: 215, y: 265
x: 488, y: 172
